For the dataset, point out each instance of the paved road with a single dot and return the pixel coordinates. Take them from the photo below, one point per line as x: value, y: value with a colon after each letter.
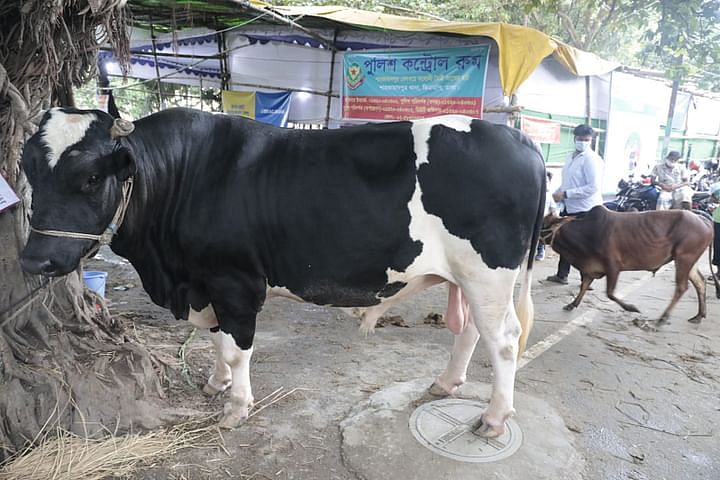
x: 633, y: 404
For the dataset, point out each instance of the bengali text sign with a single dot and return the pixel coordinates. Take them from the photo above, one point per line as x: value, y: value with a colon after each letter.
x: 401, y: 85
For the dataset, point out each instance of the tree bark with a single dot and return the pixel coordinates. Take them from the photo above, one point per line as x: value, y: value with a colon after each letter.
x: 64, y: 361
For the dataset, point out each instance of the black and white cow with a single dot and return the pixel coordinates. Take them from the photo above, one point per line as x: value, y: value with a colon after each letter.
x: 226, y: 212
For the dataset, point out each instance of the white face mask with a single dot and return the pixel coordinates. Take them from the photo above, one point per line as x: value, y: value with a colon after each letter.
x: 582, y: 145
x: 669, y: 163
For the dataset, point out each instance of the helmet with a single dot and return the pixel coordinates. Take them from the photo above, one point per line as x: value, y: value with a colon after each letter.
x: 715, y: 189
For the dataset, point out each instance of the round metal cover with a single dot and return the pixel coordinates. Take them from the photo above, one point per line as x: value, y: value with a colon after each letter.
x: 445, y: 427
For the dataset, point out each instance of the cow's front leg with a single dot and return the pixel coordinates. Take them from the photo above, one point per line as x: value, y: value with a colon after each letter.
x: 221, y: 377
x: 238, y: 406
x: 236, y: 312
x: 611, y: 283
x: 585, y: 285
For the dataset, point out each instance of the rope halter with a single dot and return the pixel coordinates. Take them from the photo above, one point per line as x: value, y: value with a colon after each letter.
x: 120, y: 128
x: 547, y: 235
x: 106, y: 237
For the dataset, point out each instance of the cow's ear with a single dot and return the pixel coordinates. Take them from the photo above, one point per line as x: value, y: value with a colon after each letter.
x: 123, y: 164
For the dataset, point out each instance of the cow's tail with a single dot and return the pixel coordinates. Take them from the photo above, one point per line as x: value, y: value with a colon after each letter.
x: 525, y: 308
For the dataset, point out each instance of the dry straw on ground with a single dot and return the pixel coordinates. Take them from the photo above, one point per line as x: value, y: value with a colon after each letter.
x: 62, y: 455
x: 66, y: 456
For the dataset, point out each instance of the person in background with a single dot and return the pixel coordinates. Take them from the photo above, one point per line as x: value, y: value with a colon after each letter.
x: 580, y: 189
x: 673, y: 178
x: 715, y: 206
x: 550, y: 208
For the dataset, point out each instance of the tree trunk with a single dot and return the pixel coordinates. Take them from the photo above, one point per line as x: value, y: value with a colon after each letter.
x: 63, y: 360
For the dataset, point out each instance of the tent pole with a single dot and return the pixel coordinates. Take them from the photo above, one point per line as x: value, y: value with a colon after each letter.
x: 330, y: 83
x: 224, y: 70
x: 157, y: 67
x: 588, y: 117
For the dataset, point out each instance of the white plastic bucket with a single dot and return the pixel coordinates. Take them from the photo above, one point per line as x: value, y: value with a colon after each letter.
x: 95, y: 281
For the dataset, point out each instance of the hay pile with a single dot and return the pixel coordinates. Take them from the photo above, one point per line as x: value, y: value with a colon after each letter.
x: 66, y: 456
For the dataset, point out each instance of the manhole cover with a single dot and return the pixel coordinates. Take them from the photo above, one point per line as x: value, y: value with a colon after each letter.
x: 445, y: 427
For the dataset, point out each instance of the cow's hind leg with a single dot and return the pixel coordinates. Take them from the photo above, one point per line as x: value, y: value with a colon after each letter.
x: 371, y: 315
x: 584, y: 286
x: 612, y: 278
x: 699, y: 283
x: 493, y: 313
x: 455, y: 373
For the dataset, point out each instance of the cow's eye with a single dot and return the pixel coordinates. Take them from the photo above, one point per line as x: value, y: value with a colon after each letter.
x: 93, y: 180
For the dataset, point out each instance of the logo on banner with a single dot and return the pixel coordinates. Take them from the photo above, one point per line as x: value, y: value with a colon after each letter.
x: 354, y: 76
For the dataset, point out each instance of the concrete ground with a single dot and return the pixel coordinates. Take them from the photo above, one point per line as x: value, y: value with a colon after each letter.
x: 597, y: 396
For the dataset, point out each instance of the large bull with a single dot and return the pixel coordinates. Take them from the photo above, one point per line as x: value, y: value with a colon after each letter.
x: 222, y: 212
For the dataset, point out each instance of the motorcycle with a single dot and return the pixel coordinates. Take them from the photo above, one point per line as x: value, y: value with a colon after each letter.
x: 635, y: 196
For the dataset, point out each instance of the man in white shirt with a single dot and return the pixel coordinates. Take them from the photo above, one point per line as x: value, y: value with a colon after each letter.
x: 580, y: 189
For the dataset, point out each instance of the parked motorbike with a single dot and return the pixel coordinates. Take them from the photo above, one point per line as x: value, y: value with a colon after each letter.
x: 635, y: 196
x: 702, y: 201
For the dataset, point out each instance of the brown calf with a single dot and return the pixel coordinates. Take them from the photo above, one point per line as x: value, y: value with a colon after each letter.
x: 605, y: 243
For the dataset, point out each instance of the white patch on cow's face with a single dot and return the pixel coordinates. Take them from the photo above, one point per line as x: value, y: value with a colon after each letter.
x: 62, y: 130
x: 421, y: 129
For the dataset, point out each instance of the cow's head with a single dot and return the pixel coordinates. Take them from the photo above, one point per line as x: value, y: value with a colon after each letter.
x: 551, y: 225
x: 76, y: 167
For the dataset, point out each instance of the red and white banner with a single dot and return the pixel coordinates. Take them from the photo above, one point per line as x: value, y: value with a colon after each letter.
x: 541, y: 130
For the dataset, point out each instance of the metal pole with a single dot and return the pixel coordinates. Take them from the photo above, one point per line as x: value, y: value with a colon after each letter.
x: 157, y: 67
x: 330, y: 83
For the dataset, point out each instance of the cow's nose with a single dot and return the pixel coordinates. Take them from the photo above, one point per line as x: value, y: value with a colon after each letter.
x: 38, y: 266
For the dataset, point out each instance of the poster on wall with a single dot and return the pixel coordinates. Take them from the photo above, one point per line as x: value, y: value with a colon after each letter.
x: 8, y: 198
x: 408, y: 84
x: 540, y: 130
x: 266, y: 107
x: 633, y: 126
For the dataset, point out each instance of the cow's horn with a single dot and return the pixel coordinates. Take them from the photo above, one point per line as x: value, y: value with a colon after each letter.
x: 121, y: 128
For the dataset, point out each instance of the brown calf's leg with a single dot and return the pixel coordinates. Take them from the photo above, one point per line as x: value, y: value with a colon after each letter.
x: 699, y: 283
x: 683, y: 266
x: 612, y: 278
x: 584, y: 286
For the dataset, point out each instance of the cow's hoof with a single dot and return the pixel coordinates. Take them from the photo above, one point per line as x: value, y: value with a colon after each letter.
x: 695, y: 319
x: 233, y: 415
x: 569, y: 306
x: 437, y: 390
x: 366, y: 328
x: 485, y: 429
x: 213, y: 387
x: 717, y: 294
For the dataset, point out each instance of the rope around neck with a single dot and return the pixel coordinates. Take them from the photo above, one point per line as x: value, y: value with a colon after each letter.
x: 553, y: 230
x: 106, y: 237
